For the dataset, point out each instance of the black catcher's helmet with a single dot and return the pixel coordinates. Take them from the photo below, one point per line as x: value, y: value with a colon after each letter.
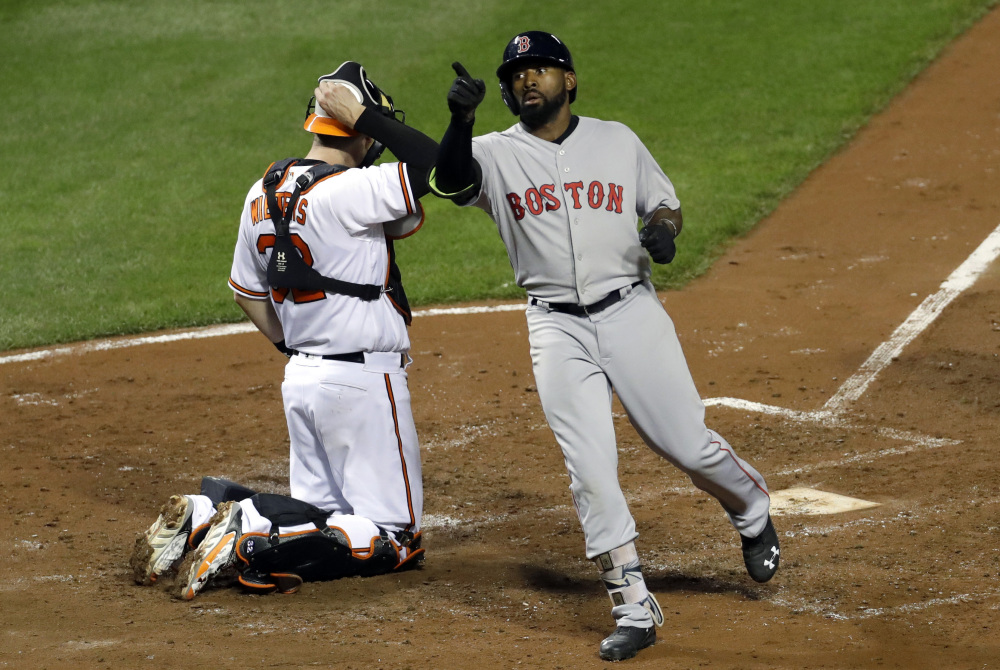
x: 532, y: 45
x: 368, y: 94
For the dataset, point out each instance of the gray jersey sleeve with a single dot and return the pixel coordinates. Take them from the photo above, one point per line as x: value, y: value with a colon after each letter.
x: 653, y: 188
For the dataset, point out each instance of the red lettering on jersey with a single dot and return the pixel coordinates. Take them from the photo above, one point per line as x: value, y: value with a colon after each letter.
x: 551, y: 201
x: 614, y: 198
x: 534, y: 200
x: 574, y: 189
x: 300, y: 211
x: 515, y: 206
x: 595, y: 194
x: 265, y: 242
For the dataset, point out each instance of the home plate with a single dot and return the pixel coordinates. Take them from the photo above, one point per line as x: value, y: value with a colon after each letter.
x: 810, y: 501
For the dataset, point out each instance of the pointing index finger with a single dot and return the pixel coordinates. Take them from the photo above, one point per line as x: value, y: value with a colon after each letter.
x: 460, y: 70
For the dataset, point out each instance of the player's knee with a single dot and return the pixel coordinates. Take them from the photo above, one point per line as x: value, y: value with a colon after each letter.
x: 703, y: 462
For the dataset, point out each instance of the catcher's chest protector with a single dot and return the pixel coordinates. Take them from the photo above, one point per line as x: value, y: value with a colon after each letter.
x: 287, y: 269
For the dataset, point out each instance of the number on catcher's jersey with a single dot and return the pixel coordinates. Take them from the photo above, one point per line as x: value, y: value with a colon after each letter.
x: 265, y: 242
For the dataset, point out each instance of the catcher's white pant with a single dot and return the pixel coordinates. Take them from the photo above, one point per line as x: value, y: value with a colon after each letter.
x: 631, y: 348
x: 354, y: 447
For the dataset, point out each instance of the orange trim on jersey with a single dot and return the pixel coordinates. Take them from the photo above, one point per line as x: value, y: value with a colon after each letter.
x: 420, y: 208
x: 302, y: 296
x: 405, y: 185
x: 252, y: 294
x: 313, y: 185
x: 288, y: 170
x: 402, y: 457
x: 395, y: 304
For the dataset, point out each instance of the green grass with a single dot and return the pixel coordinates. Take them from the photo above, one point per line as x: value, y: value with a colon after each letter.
x: 133, y: 129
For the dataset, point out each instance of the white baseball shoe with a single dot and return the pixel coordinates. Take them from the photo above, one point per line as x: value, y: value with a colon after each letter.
x: 216, y: 552
x: 161, y: 547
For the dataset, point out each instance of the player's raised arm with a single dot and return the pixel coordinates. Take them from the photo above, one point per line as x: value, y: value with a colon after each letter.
x: 343, y: 102
x: 457, y: 174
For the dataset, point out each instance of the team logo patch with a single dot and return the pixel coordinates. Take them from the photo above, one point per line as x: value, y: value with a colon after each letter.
x: 523, y: 43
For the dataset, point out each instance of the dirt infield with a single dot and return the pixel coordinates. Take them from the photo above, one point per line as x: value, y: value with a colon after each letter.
x: 777, y: 335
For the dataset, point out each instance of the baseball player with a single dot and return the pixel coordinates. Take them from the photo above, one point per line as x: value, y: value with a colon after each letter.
x: 565, y: 192
x: 314, y: 270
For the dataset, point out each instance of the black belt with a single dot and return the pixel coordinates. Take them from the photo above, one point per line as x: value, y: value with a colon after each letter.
x: 353, y: 357
x: 592, y: 308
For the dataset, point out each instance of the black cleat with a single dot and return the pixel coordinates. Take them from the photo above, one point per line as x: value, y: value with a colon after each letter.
x: 626, y: 642
x: 761, y: 554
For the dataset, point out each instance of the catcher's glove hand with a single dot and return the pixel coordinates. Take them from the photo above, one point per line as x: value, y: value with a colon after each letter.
x: 466, y: 93
x: 658, y: 239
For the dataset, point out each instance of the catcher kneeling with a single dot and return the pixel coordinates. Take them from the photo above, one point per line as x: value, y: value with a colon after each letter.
x: 265, y: 541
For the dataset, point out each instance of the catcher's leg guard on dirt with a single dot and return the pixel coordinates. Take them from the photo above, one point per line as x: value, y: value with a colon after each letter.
x: 311, y: 550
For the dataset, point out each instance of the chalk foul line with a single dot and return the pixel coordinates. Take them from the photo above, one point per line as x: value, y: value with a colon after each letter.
x: 212, y: 331
x: 852, y: 389
x: 964, y: 276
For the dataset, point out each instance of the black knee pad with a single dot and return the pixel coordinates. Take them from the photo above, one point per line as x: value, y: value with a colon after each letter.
x: 220, y: 490
x: 286, y: 511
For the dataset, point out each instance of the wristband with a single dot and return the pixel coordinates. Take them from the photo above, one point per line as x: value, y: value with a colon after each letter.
x: 432, y: 184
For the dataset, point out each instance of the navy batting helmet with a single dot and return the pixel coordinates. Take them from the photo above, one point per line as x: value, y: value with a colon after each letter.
x: 532, y: 45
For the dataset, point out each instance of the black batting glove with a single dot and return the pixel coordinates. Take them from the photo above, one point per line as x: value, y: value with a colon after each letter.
x: 465, y: 95
x: 280, y: 346
x: 658, y: 239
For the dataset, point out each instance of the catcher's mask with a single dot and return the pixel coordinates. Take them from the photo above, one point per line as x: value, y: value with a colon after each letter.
x: 353, y: 75
x: 535, y: 45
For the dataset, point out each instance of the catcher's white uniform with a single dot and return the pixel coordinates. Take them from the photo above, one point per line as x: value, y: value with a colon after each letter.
x: 354, y: 447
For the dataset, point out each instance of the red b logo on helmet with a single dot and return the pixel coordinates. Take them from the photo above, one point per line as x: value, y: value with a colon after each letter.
x: 523, y: 43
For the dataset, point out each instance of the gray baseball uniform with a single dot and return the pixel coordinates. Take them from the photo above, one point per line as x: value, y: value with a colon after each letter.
x: 567, y: 215
x: 565, y: 192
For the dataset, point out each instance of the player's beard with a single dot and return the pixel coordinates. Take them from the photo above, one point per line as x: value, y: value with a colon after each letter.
x: 537, y: 116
